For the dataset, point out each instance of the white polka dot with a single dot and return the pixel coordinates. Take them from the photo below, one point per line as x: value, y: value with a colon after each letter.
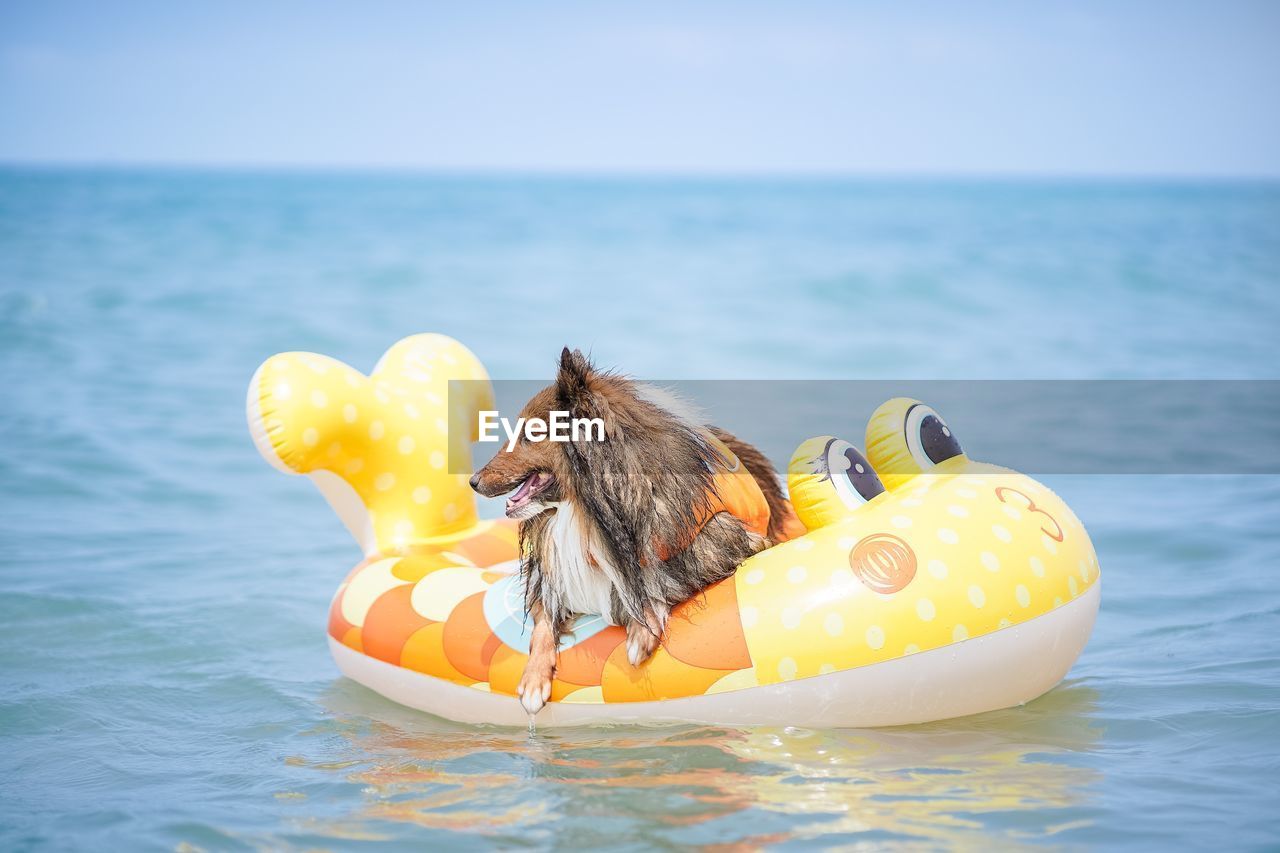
x: 875, y: 637
x: 1084, y: 571
x: 283, y: 391
x: 1037, y: 567
x: 406, y: 444
x: 280, y: 364
x: 750, y: 616
x: 791, y: 618
x: 1011, y: 511
x: 947, y: 535
x: 441, y: 426
x: 833, y: 624
x: 826, y: 669
x: 976, y: 596
x: 754, y: 577
x: 938, y: 569
x: 912, y: 502
x: 797, y: 574
x: 958, y: 511
x: 404, y: 528
x: 926, y: 610
x: 319, y: 399
x: 355, y: 466
x: 966, y: 493
x: 450, y: 512
x: 421, y: 495
x: 900, y: 521
x: 960, y: 633
x: 1022, y: 595
x: 383, y: 396
x: 353, y: 379
x: 1002, y: 533
x: 858, y: 467
x: 1049, y: 545
x: 787, y: 669
x: 384, y: 481
x: 911, y: 649
x: 310, y: 436
x: 844, y: 543
x: 1075, y: 587
x: 377, y: 430
x: 804, y: 544
x: 411, y: 410
x: 350, y: 413
x: 437, y: 459
x: 990, y: 561
x: 1057, y: 601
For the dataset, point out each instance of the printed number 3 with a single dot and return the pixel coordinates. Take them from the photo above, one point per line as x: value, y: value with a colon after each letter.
x: 1055, y: 534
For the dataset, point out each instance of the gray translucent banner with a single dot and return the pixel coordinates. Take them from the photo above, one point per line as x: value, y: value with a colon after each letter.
x: 1034, y: 426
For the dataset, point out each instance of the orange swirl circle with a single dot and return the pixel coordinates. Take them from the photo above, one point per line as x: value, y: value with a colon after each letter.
x: 883, y: 562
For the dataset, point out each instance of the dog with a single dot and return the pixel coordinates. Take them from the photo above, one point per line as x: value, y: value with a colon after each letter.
x: 632, y: 525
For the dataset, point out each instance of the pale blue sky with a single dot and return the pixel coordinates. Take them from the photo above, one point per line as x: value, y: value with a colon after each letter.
x: 1137, y: 88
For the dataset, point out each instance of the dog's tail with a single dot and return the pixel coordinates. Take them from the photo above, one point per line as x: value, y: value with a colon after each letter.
x: 783, y: 523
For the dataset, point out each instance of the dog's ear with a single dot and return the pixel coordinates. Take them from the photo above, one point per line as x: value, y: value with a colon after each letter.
x: 574, y: 389
x: 575, y: 370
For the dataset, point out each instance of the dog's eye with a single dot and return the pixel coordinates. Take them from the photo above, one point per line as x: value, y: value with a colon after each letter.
x: 855, y: 480
x: 929, y: 439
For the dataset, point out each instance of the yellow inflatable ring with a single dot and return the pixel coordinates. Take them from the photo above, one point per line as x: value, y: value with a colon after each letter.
x: 939, y: 588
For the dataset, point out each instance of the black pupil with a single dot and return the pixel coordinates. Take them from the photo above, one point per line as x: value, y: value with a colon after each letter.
x: 938, y: 442
x: 865, y: 482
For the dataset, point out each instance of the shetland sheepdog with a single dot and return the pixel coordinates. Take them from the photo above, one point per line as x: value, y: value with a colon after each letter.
x: 632, y: 525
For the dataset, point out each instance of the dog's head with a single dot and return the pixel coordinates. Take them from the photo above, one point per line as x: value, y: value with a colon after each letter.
x: 537, y: 472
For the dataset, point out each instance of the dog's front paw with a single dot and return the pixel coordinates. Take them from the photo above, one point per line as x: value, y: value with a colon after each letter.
x: 641, y: 643
x: 534, y: 689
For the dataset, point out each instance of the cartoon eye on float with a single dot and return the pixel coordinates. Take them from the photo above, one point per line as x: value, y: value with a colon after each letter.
x: 929, y: 439
x: 828, y: 478
x: 906, y: 438
x: 855, y: 481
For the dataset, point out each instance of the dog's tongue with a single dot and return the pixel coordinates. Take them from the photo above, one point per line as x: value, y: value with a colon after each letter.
x: 525, y: 489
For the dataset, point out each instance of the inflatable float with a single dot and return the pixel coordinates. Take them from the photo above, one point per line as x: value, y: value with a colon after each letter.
x: 928, y: 585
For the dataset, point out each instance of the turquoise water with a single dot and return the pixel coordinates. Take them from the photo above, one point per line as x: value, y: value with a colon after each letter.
x: 165, y: 675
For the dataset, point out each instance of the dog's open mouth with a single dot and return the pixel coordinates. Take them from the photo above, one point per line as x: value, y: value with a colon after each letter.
x: 529, y: 489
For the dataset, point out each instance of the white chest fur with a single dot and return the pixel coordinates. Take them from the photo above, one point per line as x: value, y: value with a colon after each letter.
x: 583, y: 587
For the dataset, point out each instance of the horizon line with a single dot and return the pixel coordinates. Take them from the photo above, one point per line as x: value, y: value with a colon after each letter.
x: 626, y: 173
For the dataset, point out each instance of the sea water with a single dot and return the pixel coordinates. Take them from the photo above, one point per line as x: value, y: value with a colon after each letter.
x: 163, y: 591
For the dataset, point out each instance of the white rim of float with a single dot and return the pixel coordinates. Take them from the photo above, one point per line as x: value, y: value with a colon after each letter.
x: 1002, y: 669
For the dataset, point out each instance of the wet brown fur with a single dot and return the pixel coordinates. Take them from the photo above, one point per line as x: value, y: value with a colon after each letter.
x: 639, y: 494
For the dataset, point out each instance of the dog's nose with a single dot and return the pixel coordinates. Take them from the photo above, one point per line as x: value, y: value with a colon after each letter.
x: 475, y: 481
